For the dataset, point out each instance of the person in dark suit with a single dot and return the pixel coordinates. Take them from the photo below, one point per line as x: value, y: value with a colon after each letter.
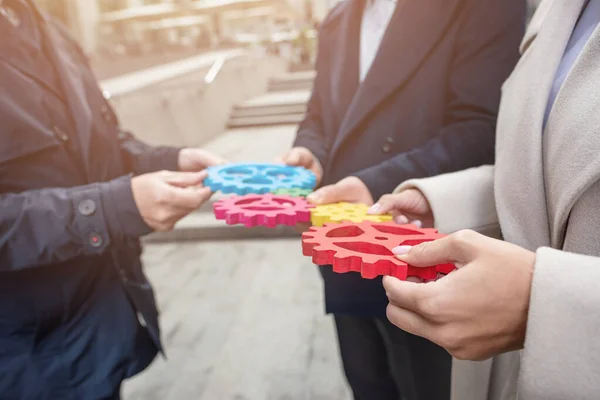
x: 404, y: 89
x: 77, y: 315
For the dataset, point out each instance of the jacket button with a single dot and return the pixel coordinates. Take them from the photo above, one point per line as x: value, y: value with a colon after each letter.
x: 96, y: 240
x: 386, y: 148
x: 87, y: 207
x: 59, y: 133
x: 389, y: 139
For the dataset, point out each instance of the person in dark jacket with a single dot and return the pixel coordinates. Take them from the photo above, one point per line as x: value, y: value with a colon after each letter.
x: 77, y: 315
x: 404, y: 89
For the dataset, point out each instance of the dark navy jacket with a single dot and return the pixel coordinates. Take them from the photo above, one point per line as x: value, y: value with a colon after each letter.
x: 73, y: 298
x: 427, y: 106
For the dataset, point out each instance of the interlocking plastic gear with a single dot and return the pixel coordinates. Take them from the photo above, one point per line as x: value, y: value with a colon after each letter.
x: 366, y: 247
x: 244, y: 179
x: 262, y: 210
x: 294, y: 192
x: 339, y: 212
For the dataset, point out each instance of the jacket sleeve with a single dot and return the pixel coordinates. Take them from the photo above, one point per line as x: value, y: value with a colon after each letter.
x: 461, y: 200
x: 486, y: 52
x: 310, y: 132
x: 561, y: 359
x: 49, y: 226
x: 141, y: 158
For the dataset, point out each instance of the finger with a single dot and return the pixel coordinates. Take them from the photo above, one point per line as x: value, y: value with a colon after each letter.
x: 189, y: 199
x: 408, y: 295
x: 324, y: 195
x: 401, y: 219
x: 410, y: 321
x: 185, y: 179
x: 408, y: 201
x: 455, y: 248
x: 211, y: 160
x: 299, y: 158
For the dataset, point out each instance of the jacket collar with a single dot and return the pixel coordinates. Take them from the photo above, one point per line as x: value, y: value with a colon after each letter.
x: 426, y: 19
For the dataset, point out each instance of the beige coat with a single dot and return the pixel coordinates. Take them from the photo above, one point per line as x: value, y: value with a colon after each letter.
x: 543, y: 194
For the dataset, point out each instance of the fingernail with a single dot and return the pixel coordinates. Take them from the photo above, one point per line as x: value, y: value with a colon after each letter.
x: 401, y: 250
x: 417, y: 223
x: 374, y: 209
x: 401, y: 219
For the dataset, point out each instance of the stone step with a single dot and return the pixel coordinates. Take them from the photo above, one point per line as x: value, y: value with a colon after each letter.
x: 241, y: 112
x: 202, y: 226
x: 269, y: 120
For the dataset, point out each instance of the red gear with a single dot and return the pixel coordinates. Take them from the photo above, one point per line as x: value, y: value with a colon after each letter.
x: 366, y: 247
x: 263, y: 210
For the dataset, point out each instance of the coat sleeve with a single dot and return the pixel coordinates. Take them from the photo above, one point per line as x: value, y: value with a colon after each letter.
x: 461, y: 200
x: 485, y: 54
x: 561, y: 359
x: 50, y: 226
x: 141, y: 158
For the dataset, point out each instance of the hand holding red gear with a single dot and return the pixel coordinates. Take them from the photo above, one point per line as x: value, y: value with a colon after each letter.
x: 366, y: 247
x: 267, y: 210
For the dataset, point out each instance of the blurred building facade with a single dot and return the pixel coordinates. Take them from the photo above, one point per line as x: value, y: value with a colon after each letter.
x: 100, y: 24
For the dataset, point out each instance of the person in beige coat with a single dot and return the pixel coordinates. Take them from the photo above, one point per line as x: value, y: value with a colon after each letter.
x: 537, y: 290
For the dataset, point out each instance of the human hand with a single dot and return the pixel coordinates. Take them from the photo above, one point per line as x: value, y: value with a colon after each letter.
x: 476, y: 312
x: 350, y: 190
x: 302, y: 157
x: 194, y: 160
x: 408, y: 206
x: 163, y: 198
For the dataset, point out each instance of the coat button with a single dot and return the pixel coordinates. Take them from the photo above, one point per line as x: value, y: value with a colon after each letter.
x: 59, y: 133
x: 96, y: 240
x: 389, y: 139
x: 87, y: 207
x: 386, y: 148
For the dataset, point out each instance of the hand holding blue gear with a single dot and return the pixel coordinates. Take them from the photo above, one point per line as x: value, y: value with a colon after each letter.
x: 251, y: 178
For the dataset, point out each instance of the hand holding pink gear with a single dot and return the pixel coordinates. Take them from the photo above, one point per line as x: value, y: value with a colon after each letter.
x: 366, y: 247
x: 263, y: 210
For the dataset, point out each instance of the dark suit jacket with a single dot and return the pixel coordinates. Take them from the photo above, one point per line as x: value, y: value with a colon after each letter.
x: 427, y: 106
x: 71, y: 281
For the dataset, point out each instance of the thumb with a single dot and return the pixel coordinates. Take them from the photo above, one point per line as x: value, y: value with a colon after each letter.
x: 327, y: 195
x: 409, y: 201
x: 293, y: 157
x: 185, y: 179
x: 453, y: 249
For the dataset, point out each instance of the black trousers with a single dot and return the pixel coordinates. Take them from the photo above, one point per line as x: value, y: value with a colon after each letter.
x: 382, y: 362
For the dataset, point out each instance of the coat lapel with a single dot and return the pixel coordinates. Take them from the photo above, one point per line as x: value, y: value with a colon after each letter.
x: 572, y: 140
x: 519, y: 184
x: 399, y: 55
x: 69, y: 73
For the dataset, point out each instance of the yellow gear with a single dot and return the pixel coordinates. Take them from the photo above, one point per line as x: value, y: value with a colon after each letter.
x: 335, y: 213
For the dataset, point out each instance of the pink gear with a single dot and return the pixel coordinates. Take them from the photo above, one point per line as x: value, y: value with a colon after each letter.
x: 366, y: 247
x: 267, y: 210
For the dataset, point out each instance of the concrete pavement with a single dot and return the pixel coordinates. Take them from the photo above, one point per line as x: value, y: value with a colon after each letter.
x: 242, y: 319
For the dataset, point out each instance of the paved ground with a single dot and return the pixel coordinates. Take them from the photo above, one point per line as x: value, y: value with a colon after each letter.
x: 242, y: 320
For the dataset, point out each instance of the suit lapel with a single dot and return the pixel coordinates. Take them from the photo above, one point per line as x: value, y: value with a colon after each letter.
x: 572, y: 139
x: 68, y: 74
x: 519, y: 184
x: 399, y: 55
x: 342, y: 34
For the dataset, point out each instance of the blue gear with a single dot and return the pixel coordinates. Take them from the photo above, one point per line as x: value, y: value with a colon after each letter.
x: 251, y: 178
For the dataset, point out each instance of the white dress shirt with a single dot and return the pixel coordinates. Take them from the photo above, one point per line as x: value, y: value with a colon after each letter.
x: 376, y: 18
